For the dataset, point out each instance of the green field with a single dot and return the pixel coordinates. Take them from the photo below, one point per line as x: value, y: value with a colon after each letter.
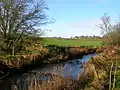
x: 72, y: 42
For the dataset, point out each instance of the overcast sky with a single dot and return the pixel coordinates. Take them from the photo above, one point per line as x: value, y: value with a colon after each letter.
x: 79, y: 17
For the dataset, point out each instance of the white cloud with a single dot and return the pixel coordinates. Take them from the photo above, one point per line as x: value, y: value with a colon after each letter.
x: 88, y: 27
x: 92, y: 23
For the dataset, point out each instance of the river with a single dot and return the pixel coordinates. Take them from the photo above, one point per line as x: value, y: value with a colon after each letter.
x: 68, y: 69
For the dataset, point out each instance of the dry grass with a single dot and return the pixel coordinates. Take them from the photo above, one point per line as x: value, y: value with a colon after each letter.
x: 98, y: 69
x: 54, y: 83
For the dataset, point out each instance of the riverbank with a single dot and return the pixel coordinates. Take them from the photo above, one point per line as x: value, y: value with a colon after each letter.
x: 53, y: 76
x: 52, y: 54
x: 33, y: 82
x: 94, y: 77
x: 100, y: 71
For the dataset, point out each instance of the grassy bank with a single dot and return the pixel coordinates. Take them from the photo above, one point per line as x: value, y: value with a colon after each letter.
x: 100, y: 73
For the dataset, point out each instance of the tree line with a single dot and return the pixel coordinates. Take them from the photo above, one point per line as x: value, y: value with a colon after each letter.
x: 87, y: 37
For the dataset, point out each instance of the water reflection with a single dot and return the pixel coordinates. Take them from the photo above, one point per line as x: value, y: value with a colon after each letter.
x: 69, y: 69
x: 26, y: 82
x: 38, y: 82
x: 44, y: 78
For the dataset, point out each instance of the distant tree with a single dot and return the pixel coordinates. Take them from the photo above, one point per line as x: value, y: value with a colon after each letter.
x: 76, y: 37
x: 111, y: 32
x: 71, y: 37
x: 82, y: 36
x: 18, y: 19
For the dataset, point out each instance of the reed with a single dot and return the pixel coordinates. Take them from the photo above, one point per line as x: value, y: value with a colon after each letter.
x: 54, y: 83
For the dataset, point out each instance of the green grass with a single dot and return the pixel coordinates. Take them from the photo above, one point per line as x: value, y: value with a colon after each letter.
x: 118, y: 79
x: 72, y: 42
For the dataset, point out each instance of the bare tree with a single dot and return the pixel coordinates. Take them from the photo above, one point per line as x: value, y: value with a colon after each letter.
x: 110, y: 31
x: 19, y: 18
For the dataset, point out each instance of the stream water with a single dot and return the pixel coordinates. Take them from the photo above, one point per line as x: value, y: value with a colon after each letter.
x: 68, y: 69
